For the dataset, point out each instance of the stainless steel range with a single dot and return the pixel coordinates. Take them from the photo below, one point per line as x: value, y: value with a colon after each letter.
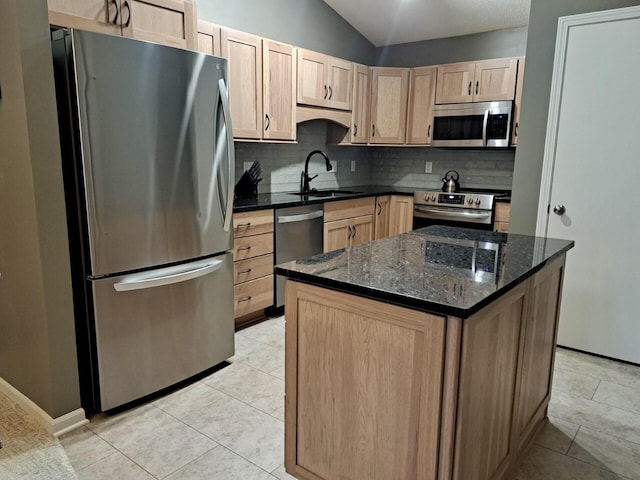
x: 465, y: 209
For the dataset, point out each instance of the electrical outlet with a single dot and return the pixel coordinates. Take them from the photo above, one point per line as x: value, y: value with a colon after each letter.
x: 428, y: 167
x: 353, y: 165
x: 247, y: 165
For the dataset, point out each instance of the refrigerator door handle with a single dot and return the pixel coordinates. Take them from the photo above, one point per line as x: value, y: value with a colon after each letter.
x: 167, y: 276
x: 224, y: 101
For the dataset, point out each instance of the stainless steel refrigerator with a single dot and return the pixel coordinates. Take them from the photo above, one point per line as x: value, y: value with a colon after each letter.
x: 148, y: 165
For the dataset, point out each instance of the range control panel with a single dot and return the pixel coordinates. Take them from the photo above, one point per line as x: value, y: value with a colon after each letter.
x: 480, y: 201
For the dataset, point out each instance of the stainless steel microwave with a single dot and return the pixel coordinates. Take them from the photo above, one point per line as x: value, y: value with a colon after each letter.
x: 482, y: 124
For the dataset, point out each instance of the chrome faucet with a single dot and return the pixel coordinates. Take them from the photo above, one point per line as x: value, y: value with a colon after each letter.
x: 304, y: 184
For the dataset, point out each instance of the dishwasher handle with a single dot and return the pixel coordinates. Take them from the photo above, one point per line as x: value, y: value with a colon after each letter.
x: 300, y: 217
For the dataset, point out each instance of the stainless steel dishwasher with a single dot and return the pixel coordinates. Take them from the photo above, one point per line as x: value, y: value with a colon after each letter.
x: 298, y: 235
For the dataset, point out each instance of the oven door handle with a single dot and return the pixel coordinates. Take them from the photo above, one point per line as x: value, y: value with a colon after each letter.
x: 449, y: 215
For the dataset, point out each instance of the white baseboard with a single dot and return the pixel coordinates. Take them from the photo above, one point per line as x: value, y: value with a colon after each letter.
x: 55, y: 426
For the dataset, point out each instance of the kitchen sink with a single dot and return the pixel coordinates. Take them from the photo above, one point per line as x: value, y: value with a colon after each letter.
x: 327, y: 193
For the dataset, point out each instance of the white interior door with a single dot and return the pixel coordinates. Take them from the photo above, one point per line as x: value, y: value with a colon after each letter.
x: 592, y: 169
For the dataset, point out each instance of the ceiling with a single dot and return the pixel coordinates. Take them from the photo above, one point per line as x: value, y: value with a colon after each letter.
x: 388, y: 22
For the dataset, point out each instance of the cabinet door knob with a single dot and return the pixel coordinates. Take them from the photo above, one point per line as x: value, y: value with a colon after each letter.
x: 470, y: 83
x: 326, y: 92
x: 268, y: 121
x: 477, y: 85
x: 355, y: 129
x: 373, y: 130
x: 330, y: 92
x: 429, y: 131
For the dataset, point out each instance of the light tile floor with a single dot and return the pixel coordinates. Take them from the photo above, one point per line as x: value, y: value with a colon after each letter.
x: 230, y: 425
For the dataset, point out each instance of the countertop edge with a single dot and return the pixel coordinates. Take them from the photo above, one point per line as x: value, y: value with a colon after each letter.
x: 415, y: 303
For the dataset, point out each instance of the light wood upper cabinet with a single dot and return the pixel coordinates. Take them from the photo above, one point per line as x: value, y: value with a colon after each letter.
x: 422, y: 91
x: 95, y: 15
x: 244, y: 53
x: 485, y: 81
x: 389, y: 92
x: 169, y: 22
x: 518, y: 101
x: 324, y: 81
x: 361, y: 96
x: 279, y: 83
x: 208, y: 38
x: 400, y: 214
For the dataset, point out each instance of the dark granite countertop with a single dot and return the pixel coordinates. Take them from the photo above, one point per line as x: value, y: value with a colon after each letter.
x: 292, y: 199
x: 431, y: 269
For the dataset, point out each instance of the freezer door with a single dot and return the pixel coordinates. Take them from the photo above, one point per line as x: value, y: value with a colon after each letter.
x: 156, y: 328
x: 156, y: 152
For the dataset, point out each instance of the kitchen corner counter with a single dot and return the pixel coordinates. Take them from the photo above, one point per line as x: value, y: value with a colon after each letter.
x: 291, y: 199
x: 431, y: 269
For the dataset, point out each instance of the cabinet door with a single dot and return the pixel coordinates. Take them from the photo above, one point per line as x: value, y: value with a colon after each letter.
x: 169, y: 22
x: 400, y: 214
x: 389, y: 92
x: 312, y: 75
x: 538, y: 348
x: 517, y: 102
x: 340, y: 83
x: 279, y: 101
x: 422, y: 92
x: 381, y: 227
x: 95, y: 15
x: 244, y: 53
x: 361, y: 229
x: 360, y: 112
x: 337, y: 234
x: 208, y: 38
x: 495, y: 80
x: 455, y: 82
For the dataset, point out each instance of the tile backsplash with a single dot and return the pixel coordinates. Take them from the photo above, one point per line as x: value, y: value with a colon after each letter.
x: 396, y: 166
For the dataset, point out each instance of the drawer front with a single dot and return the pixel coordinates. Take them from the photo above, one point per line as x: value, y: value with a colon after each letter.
x: 249, y: 297
x: 245, y: 270
x: 252, y: 223
x: 253, y: 246
x: 349, y: 208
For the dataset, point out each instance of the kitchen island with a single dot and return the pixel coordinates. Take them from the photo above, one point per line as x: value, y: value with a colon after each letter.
x: 427, y: 355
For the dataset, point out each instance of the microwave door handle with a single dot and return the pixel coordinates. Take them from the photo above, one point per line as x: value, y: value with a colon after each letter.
x: 485, y: 122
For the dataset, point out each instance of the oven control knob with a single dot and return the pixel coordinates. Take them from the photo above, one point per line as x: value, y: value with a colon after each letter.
x: 470, y: 201
x: 477, y: 201
x: 426, y: 197
x: 433, y: 197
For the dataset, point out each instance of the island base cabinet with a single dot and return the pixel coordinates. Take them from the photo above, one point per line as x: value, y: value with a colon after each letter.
x: 363, y: 387
x: 381, y: 391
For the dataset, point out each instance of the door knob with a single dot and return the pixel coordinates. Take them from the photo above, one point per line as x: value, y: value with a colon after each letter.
x: 559, y: 209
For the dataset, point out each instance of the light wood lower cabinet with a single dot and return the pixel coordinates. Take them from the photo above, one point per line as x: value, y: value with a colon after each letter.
x: 501, y: 217
x: 400, y: 214
x: 169, y: 22
x: 252, y: 263
x: 363, y: 387
x: 348, y: 222
x: 380, y: 391
x: 381, y: 229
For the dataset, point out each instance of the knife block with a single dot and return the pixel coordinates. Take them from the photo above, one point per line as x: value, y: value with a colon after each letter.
x: 246, y: 186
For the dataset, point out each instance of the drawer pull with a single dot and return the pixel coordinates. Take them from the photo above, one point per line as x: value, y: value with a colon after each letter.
x: 248, y: 224
x: 244, y: 271
x: 245, y: 299
x: 244, y: 248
